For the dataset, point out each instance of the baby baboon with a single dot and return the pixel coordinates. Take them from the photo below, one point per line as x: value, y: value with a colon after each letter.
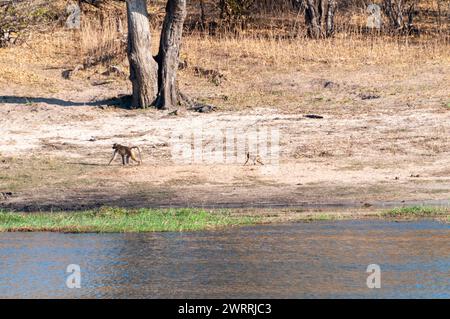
x: 254, y: 158
x: 126, y: 152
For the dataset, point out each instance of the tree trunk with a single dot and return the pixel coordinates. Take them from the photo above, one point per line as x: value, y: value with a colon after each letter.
x: 319, y: 18
x: 222, y: 5
x: 399, y: 22
x: 168, y: 55
x: 143, y: 68
x: 312, y: 20
x: 394, y: 12
x: 322, y: 10
x: 202, y: 16
x: 330, y: 17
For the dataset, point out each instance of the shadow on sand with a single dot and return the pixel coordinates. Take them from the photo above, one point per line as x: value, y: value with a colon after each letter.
x: 120, y: 101
x: 87, y: 164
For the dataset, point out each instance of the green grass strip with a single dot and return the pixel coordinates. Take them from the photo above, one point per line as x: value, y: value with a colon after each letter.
x: 108, y: 219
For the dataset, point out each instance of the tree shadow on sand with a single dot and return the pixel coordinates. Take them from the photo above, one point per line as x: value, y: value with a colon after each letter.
x: 123, y: 101
x: 88, y: 164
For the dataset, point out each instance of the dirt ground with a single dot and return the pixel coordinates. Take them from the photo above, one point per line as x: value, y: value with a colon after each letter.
x: 384, y: 139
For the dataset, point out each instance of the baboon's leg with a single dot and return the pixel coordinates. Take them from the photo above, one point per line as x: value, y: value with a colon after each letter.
x: 134, y: 155
x: 123, y: 160
x: 135, y: 159
x: 114, y: 156
x: 248, y: 157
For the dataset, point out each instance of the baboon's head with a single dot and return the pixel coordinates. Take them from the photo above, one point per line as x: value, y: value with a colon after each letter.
x: 115, y: 145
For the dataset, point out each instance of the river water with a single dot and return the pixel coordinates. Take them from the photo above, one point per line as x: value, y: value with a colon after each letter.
x: 296, y: 260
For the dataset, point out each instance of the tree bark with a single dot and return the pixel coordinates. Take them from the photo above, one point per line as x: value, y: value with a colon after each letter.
x: 330, y: 17
x: 319, y: 18
x: 322, y: 10
x: 143, y: 68
x: 399, y: 22
x: 168, y: 55
x: 312, y: 20
x: 202, y: 16
x: 394, y: 12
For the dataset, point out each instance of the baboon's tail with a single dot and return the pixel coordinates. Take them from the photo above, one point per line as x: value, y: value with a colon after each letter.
x: 139, y: 151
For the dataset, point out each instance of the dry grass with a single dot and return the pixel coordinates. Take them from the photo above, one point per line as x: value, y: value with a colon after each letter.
x: 227, y: 52
x: 102, y: 42
x: 106, y: 43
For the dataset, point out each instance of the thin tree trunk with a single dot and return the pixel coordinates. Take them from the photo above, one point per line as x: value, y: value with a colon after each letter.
x: 330, y: 17
x: 399, y: 14
x: 202, y: 15
x: 411, y: 13
x: 439, y: 12
x: 143, y: 68
x: 394, y: 11
x: 168, y: 56
x: 222, y: 5
x: 322, y: 10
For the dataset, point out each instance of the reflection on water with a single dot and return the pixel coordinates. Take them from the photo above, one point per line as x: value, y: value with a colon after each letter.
x: 302, y: 260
